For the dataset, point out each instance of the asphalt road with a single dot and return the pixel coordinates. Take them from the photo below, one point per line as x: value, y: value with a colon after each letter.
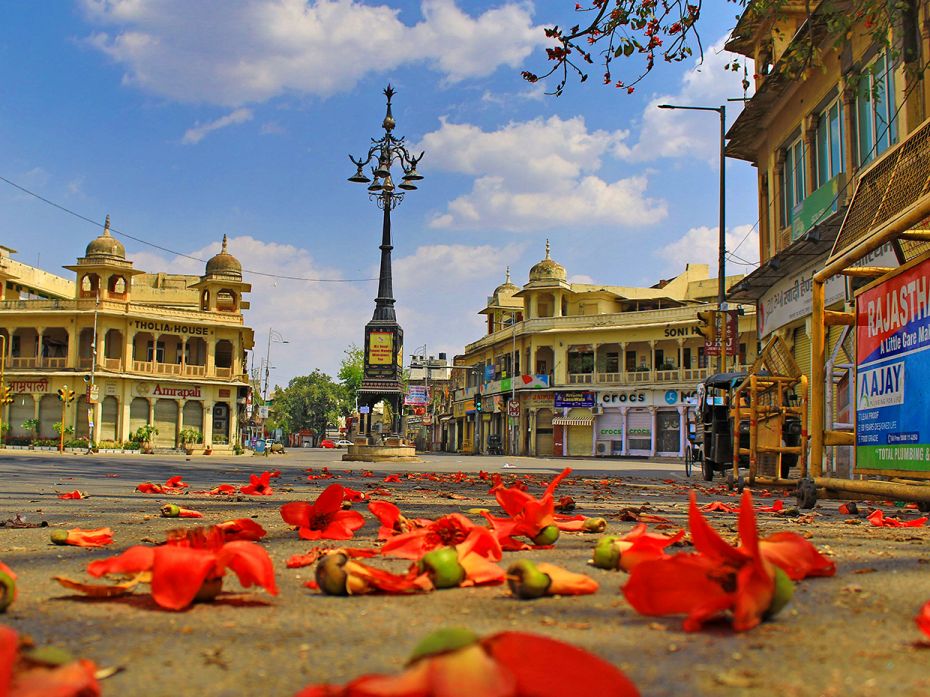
x: 852, y: 634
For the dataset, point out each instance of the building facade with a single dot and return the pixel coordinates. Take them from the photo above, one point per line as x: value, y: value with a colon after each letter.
x: 811, y: 137
x: 574, y: 369
x: 137, y: 348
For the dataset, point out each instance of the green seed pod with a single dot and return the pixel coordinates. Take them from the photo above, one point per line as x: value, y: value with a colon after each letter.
x: 526, y: 581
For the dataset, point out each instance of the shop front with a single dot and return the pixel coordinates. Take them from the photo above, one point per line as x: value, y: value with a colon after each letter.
x: 574, y: 415
x: 642, y: 423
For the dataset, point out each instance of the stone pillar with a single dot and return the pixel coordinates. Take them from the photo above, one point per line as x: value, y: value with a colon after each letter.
x: 623, y: 423
x: 123, y: 433
x: 180, y: 425
x: 809, y: 134
x: 682, y: 429
x: 74, y: 337
x: 207, y: 423
x: 681, y: 358
x: 40, y: 344
x: 183, y: 355
x: 151, y: 401
x: 779, y: 214
x: 652, y: 360
x: 560, y: 367
x: 652, y: 436
x: 98, y: 415
x: 847, y: 88
x: 128, y: 342
x: 211, y: 357
x: 100, y: 346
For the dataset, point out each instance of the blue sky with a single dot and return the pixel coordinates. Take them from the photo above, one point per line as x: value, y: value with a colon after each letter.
x: 187, y: 121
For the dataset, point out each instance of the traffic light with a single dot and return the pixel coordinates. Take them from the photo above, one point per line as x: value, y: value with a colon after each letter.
x: 65, y: 394
x: 708, y: 328
x: 477, y: 401
x: 6, y: 394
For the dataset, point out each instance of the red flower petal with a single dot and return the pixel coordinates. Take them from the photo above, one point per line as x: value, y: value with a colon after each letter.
x: 330, y: 500
x: 342, y: 525
x: 705, y: 539
x: 223, y: 490
x: 797, y: 557
x: 75, y: 679
x: 98, y: 537
x: 132, y: 561
x: 242, y: 529
x: 178, y: 573
x: 250, y: 563
x: 297, y: 513
x: 923, y: 619
x: 149, y: 488
x: 72, y: 495
x: 9, y: 648
x: 545, y: 667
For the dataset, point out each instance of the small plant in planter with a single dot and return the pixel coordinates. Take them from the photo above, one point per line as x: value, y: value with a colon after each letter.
x: 144, y: 435
x: 32, y: 425
x: 189, y: 437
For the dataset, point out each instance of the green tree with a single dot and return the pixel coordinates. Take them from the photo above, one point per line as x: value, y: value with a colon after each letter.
x: 350, y: 375
x: 309, y: 401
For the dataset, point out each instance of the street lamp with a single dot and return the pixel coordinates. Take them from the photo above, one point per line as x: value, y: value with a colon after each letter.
x: 722, y: 243
x: 278, y: 339
x: 382, y: 379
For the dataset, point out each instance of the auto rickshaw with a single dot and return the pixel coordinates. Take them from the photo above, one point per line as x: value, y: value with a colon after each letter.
x: 723, y: 398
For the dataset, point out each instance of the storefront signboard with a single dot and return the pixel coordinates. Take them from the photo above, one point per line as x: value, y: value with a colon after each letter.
x: 416, y: 394
x: 790, y: 299
x: 892, y: 371
x: 21, y: 385
x: 144, y: 389
x: 570, y: 400
x: 645, y: 398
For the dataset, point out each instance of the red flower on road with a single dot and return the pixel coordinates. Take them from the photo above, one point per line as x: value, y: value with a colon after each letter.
x: 98, y: 537
x: 75, y: 495
x: 259, y: 485
x: 877, y: 519
x: 242, y: 529
x: 923, y: 619
x: 509, y: 664
x: 324, y: 518
x: 29, y: 679
x: 7, y: 588
x: 528, y: 516
x: 795, y: 556
x: 191, y: 566
x: 717, y: 579
x: 449, y: 530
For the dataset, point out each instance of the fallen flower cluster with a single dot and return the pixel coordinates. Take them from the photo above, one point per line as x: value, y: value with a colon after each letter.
x: 25, y: 673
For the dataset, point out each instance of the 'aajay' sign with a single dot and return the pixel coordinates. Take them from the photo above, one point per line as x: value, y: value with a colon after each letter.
x: 893, y: 370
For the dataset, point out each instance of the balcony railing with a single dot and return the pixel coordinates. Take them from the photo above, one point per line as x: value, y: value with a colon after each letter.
x: 135, y: 310
x: 116, y: 365
x: 580, y: 378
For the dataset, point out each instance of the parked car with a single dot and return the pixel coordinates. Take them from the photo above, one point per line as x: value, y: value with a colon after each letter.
x: 327, y: 443
x: 343, y: 443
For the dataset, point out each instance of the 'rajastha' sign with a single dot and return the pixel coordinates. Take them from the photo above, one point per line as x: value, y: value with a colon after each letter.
x: 892, y: 373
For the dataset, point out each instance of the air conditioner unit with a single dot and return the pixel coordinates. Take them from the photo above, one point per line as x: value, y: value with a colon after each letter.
x: 602, y: 448
x: 597, y: 410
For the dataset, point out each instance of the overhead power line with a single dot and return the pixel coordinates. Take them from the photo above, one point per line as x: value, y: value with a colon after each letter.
x: 172, y: 251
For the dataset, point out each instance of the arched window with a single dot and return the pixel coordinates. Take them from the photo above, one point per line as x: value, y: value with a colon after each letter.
x: 90, y: 284
x: 205, y: 300
x: 117, y: 286
x: 226, y: 300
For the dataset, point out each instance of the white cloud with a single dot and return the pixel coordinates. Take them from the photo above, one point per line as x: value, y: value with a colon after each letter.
x: 318, y: 320
x: 440, y: 289
x: 538, y: 174
x: 681, y: 133
x: 233, y: 53
x: 200, y: 131
x: 700, y: 245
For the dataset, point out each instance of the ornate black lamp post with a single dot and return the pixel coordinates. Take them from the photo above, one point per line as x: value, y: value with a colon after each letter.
x: 384, y: 337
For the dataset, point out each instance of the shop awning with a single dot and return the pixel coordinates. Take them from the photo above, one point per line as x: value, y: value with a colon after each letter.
x: 565, y: 421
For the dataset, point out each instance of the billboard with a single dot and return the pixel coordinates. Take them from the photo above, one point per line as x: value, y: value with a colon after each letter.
x: 380, y: 348
x: 569, y: 400
x: 892, y: 372
x: 417, y: 395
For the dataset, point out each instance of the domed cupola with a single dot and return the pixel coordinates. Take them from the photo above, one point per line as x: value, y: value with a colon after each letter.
x: 505, y: 288
x: 548, y: 269
x: 105, y: 247
x: 224, y: 264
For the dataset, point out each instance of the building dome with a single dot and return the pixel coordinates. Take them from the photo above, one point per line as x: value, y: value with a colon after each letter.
x: 506, y: 288
x: 548, y: 269
x: 105, y: 246
x: 224, y: 264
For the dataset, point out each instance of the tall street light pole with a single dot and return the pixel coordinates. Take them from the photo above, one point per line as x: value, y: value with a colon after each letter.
x: 382, y: 380
x: 722, y: 242
x: 278, y: 339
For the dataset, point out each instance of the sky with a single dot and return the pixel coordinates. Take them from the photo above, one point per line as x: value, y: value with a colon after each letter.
x: 186, y: 121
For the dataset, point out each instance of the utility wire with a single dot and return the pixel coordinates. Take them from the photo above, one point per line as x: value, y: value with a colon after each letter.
x: 172, y: 251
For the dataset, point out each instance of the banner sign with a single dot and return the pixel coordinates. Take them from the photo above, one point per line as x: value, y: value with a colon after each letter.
x: 712, y: 348
x: 417, y: 395
x: 892, y: 373
x: 569, y: 400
